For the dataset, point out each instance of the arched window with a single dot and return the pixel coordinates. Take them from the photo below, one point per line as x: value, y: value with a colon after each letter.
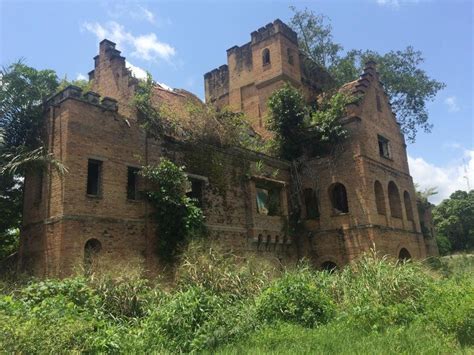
x: 329, y: 266
x: 266, y: 56
x: 394, y: 200
x: 311, y: 203
x: 289, y: 53
x: 408, y: 207
x: 379, y: 198
x: 404, y: 255
x: 338, y: 197
x: 92, y: 249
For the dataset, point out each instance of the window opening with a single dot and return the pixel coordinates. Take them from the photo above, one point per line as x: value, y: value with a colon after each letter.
x: 94, y: 171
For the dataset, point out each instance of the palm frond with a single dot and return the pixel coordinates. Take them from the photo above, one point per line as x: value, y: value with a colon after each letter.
x: 23, y: 159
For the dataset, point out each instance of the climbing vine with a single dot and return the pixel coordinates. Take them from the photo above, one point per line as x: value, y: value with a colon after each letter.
x: 177, y: 216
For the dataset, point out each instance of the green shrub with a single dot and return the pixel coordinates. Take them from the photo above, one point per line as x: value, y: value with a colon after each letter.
x: 298, y: 297
x: 375, y: 292
x: 176, y: 322
x: 53, y: 325
x: 229, y: 324
x: 450, y: 305
x: 75, y: 290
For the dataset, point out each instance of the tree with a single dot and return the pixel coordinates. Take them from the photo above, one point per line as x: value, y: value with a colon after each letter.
x: 315, y: 37
x: 22, y: 92
x: 454, y: 220
x: 408, y: 86
x: 287, y: 113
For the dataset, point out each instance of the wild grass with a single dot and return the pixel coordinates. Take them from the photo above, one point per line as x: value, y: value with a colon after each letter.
x: 224, y: 303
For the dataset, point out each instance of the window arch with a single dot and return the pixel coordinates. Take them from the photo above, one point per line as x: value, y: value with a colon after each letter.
x: 394, y: 200
x: 379, y: 198
x: 404, y: 254
x: 311, y: 204
x: 92, y: 249
x: 338, y: 197
x: 408, y: 206
x: 266, y: 56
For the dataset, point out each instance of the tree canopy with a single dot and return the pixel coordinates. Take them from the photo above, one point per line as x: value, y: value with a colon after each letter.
x: 408, y: 86
x: 454, y: 220
x: 22, y: 91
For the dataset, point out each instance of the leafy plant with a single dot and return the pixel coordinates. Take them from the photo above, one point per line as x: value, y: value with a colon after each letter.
x: 177, y: 216
x: 454, y: 220
x: 286, y: 120
x: 297, y: 297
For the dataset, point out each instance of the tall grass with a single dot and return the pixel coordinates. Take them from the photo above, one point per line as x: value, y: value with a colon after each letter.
x: 226, y: 303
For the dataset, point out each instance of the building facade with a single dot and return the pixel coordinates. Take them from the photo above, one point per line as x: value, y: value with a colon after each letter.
x: 359, y: 197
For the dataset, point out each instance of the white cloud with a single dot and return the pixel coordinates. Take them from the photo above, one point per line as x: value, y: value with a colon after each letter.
x: 146, y: 47
x: 140, y: 73
x: 446, y: 179
x: 137, y: 72
x: 452, y: 104
x: 145, y: 13
x: 166, y: 87
x: 81, y: 76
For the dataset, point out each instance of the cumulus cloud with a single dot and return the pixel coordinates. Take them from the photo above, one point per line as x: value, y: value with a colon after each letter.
x: 146, y: 47
x: 81, y: 76
x: 446, y: 179
x: 452, y: 104
x: 137, y: 72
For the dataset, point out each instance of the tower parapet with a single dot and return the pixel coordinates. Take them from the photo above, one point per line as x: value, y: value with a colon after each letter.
x: 272, y: 28
x: 216, y: 83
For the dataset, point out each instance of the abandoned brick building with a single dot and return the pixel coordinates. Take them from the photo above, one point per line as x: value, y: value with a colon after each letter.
x: 350, y: 201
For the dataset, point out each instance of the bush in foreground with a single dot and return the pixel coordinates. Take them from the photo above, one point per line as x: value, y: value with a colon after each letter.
x: 372, y: 306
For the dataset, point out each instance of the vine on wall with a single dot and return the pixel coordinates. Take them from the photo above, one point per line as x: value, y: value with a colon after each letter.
x: 177, y: 216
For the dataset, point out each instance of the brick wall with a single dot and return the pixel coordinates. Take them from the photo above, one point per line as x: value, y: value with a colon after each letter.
x: 61, y: 219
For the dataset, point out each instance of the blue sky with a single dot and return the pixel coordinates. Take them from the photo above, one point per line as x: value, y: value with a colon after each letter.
x: 178, y: 41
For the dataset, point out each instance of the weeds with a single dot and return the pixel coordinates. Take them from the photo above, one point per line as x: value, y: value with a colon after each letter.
x: 232, y: 304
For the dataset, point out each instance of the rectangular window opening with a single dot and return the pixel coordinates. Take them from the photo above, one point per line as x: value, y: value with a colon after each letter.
x: 268, y: 200
x: 94, y: 172
x: 384, y: 147
x: 196, y: 190
x: 132, y: 183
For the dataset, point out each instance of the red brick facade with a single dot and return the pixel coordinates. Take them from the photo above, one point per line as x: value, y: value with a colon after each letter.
x: 61, y: 220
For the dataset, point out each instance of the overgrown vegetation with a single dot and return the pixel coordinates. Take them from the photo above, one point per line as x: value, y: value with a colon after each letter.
x: 177, y: 216
x: 195, y: 122
x: 294, y: 122
x: 408, y: 86
x: 223, y: 303
x: 22, y: 91
x: 454, y: 222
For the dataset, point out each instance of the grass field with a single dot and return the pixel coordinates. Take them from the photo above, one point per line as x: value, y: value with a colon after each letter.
x: 224, y: 304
